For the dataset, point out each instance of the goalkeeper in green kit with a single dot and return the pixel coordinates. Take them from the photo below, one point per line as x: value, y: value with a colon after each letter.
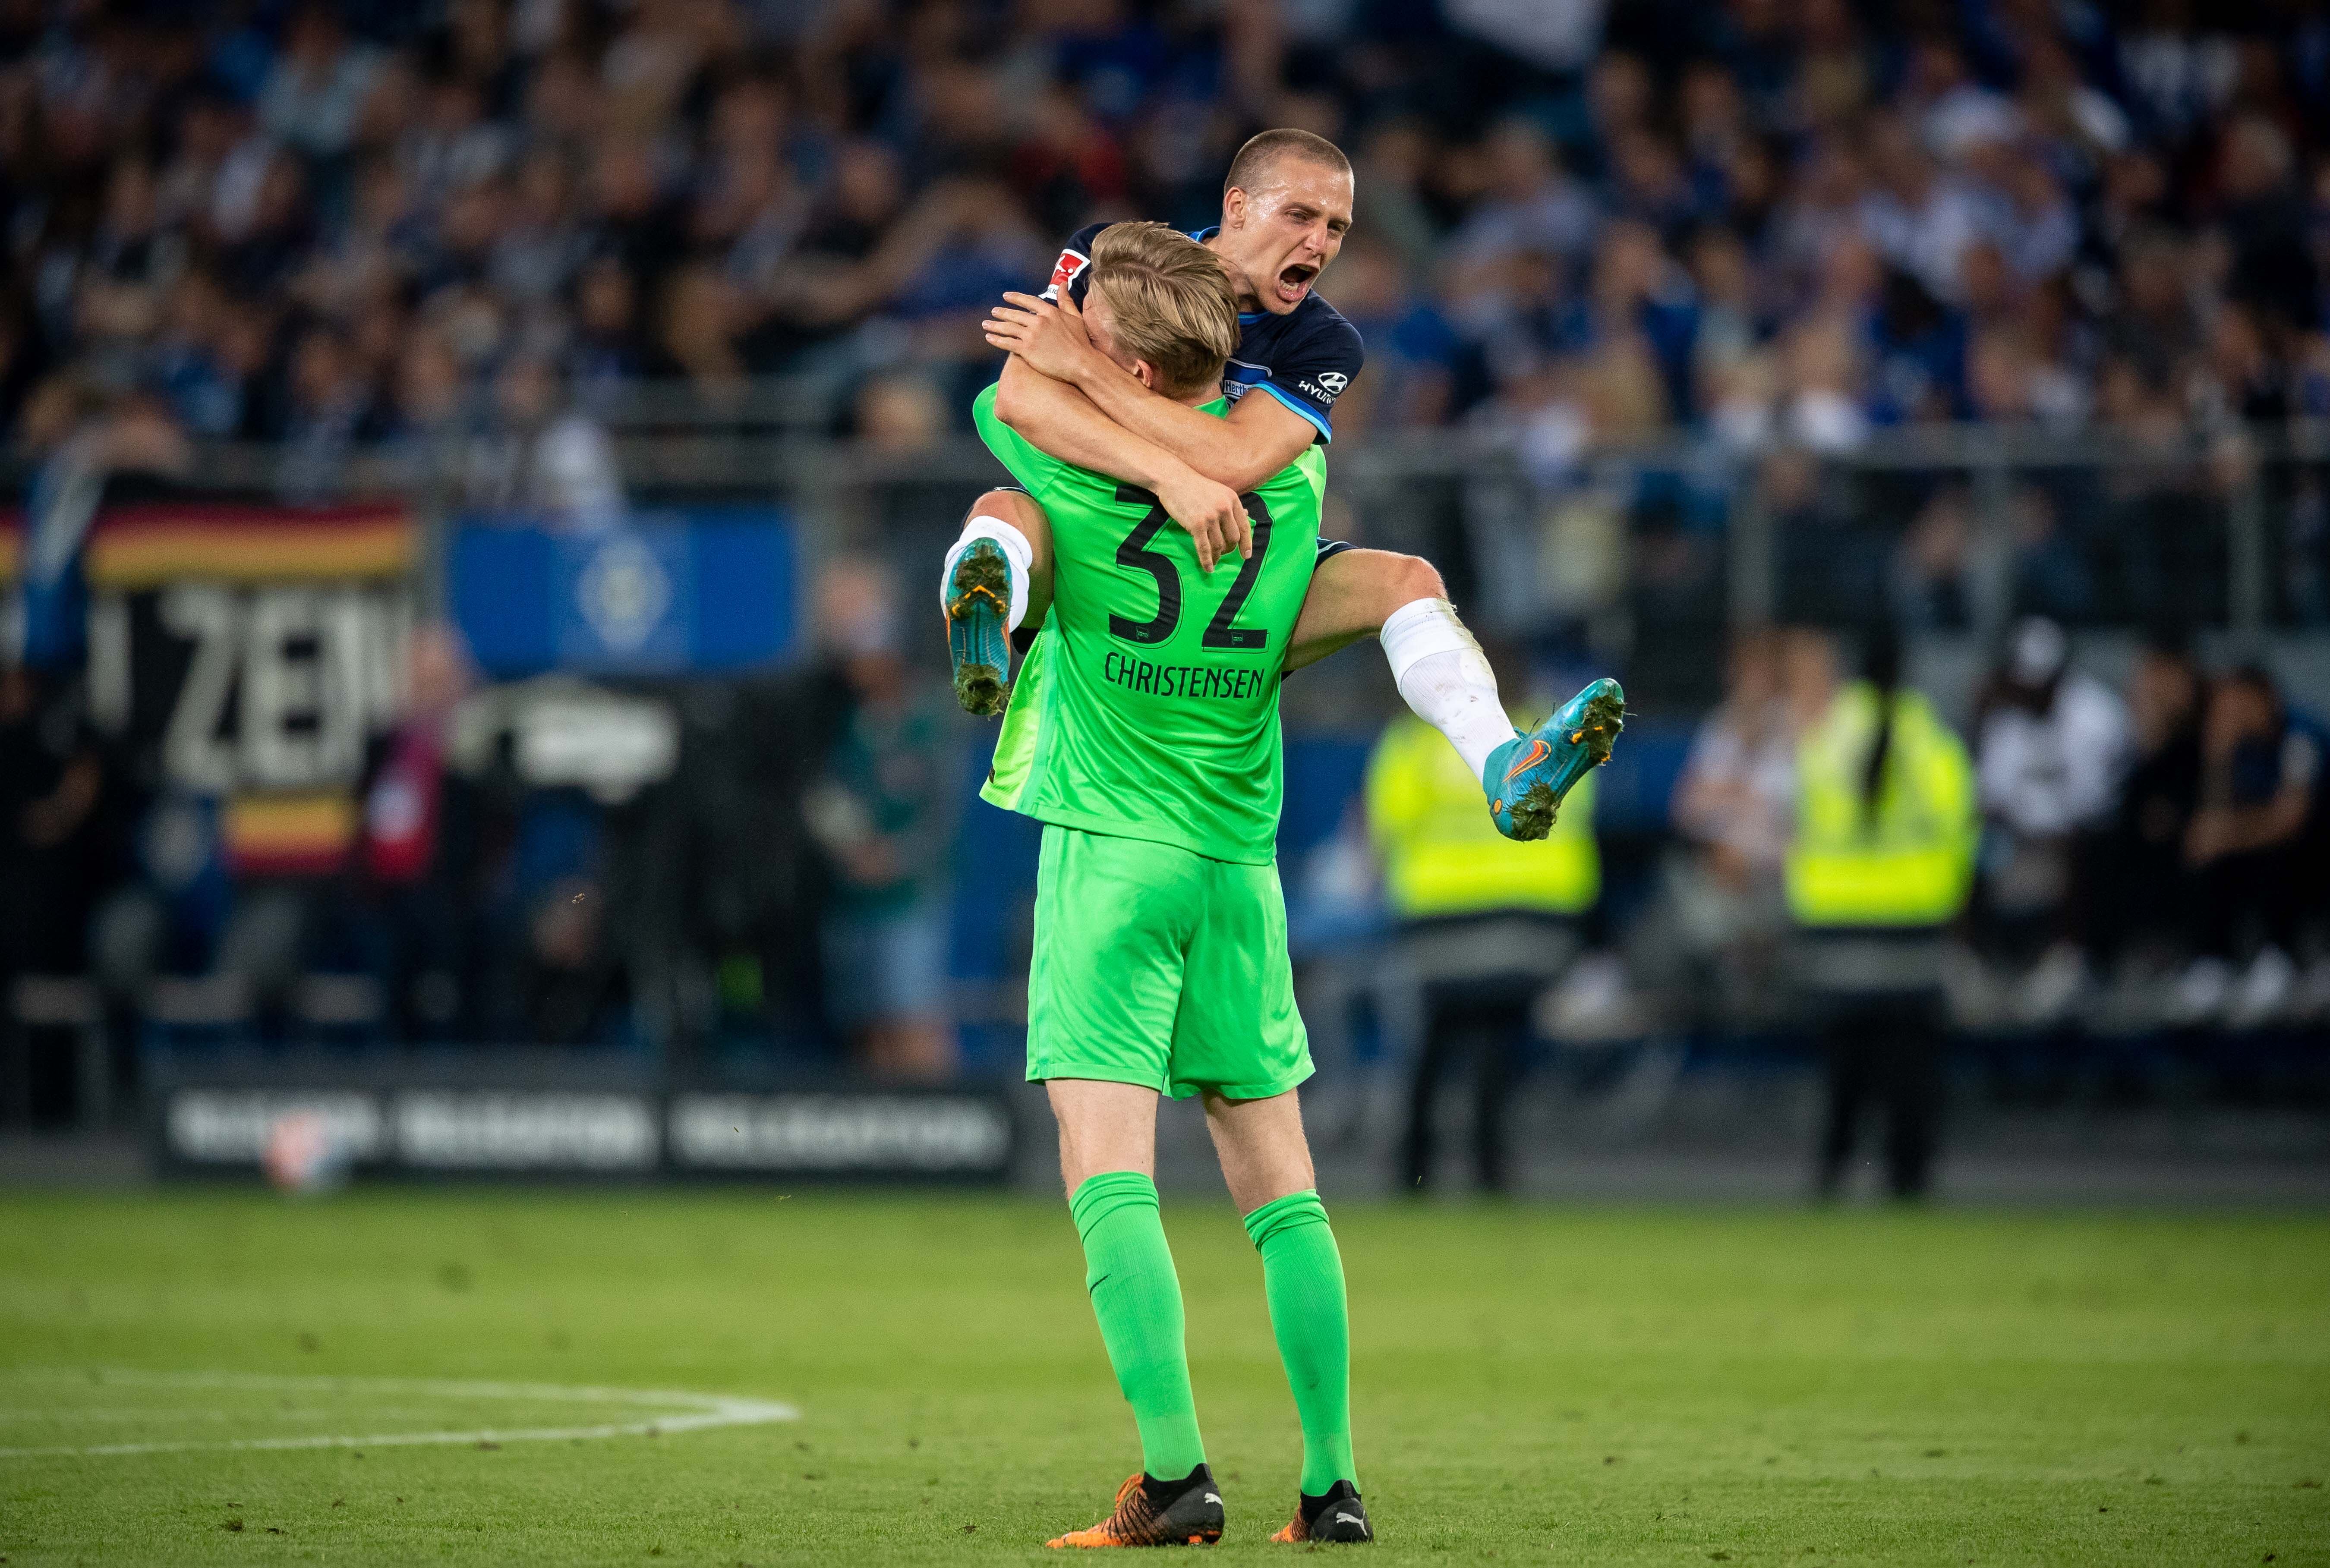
x: 1148, y: 747
x: 1143, y: 733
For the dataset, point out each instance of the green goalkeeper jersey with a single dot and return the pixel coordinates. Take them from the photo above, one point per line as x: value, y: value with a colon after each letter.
x: 1149, y: 707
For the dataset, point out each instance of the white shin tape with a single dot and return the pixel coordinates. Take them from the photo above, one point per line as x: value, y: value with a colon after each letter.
x: 1420, y: 628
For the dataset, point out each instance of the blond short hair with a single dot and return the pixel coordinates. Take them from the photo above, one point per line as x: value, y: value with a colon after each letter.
x: 1262, y: 151
x: 1172, y: 300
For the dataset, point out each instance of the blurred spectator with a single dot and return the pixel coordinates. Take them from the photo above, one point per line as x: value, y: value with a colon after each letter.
x: 1555, y: 36
x: 1415, y: 355
x: 557, y: 975
x: 1728, y: 328
x: 318, y: 83
x: 1529, y: 205
x: 899, y: 413
x: 1878, y: 871
x: 2134, y: 869
x: 2257, y: 849
x: 1736, y: 800
x: 431, y: 415
x: 1486, y: 925
x: 1390, y: 168
x: 882, y: 815
x: 415, y: 871
x: 53, y: 777
x: 608, y: 349
x: 542, y: 457
x: 698, y: 340
x: 2053, y: 577
x: 331, y: 409
x: 1832, y: 564
x: 57, y: 857
x: 570, y: 984
x: 77, y: 438
x: 195, y: 366
x: 1920, y: 219
x: 2050, y: 745
x: 2273, y: 272
x: 1822, y: 408
x: 1929, y: 568
x: 1950, y: 111
x: 1734, y: 809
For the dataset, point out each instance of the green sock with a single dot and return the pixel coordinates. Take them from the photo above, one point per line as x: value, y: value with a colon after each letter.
x: 1302, y: 1276
x: 1137, y: 1297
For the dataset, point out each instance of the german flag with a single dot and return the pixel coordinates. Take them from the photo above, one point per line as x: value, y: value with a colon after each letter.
x: 148, y: 543
x: 302, y: 835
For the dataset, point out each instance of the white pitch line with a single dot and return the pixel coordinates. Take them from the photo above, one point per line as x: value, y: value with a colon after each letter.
x: 700, y: 1413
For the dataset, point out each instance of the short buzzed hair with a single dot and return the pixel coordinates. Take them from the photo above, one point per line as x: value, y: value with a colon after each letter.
x: 1172, y: 301
x: 1254, y: 159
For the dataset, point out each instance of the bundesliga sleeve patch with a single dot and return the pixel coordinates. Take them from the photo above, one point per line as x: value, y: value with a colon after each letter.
x: 1064, y: 272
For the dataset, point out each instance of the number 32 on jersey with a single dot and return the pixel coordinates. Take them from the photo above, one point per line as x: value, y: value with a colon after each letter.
x: 1135, y: 553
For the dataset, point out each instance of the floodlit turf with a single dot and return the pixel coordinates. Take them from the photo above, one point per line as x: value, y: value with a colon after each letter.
x: 1533, y: 1385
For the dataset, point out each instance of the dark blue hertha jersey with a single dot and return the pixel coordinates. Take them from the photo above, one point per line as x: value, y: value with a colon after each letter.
x: 1304, y: 358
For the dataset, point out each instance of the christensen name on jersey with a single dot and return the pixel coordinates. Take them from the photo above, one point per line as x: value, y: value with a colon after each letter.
x: 1138, y: 675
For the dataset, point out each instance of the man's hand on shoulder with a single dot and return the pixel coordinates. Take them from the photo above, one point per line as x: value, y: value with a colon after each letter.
x: 1212, y: 512
x: 1050, y: 339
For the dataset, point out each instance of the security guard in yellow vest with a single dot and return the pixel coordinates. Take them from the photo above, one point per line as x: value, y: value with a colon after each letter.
x: 1488, y: 924
x: 1882, y: 862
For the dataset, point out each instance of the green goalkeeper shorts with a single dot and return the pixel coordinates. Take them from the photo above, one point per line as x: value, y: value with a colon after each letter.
x: 1158, y: 967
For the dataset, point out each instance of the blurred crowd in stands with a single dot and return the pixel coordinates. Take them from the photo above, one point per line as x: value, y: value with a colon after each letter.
x: 466, y: 233
x: 2152, y: 856
x: 334, y: 223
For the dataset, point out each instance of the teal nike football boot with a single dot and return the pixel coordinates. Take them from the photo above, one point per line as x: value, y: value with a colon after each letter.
x: 1528, y: 778
x: 978, y: 597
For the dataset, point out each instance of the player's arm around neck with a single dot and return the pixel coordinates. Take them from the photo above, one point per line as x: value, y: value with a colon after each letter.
x: 1060, y: 421
x: 1047, y: 342
x: 1260, y: 436
x: 1057, y: 419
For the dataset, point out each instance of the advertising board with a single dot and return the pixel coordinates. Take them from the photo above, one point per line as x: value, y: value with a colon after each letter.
x: 371, y: 1124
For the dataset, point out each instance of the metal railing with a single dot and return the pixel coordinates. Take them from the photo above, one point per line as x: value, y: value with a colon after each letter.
x: 2228, y: 515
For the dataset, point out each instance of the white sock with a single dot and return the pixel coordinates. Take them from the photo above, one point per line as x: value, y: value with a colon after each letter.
x: 1015, y: 548
x: 1446, y: 679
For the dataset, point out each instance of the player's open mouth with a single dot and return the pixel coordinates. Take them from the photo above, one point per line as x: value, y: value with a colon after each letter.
x: 1294, y: 282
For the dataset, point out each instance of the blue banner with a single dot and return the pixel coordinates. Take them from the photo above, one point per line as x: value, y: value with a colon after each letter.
x: 665, y: 594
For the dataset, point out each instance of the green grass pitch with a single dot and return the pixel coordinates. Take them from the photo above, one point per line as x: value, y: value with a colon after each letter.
x: 1532, y: 1384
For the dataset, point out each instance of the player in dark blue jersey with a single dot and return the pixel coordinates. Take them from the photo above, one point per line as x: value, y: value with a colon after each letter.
x: 1303, y: 357
x: 1286, y: 205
